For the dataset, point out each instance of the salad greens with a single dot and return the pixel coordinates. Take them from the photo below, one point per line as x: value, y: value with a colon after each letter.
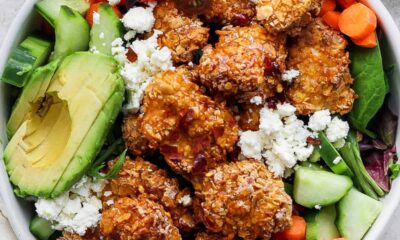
x: 362, y: 180
x: 369, y: 84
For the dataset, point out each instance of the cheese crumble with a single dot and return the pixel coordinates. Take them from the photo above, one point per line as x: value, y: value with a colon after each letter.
x: 75, y: 210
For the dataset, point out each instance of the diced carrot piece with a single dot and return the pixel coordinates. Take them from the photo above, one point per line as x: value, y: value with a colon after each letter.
x: 296, y: 232
x: 357, y: 21
x: 91, y: 2
x: 331, y: 18
x: 368, y: 42
x: 327, y: 5
x: 346, y: 3
x: 94, y: 7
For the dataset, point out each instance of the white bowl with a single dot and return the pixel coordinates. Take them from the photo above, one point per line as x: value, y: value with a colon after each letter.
x: 19, y: 212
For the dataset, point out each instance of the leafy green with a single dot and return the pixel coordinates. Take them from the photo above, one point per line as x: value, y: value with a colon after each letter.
x: 108, y: 153
x: 369, y: 84
x: 394, y: 170
x: 362, y: 180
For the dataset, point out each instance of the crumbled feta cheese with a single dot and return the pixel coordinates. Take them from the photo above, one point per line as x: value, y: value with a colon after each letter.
x: 129, y: 35
x: 96, y: 18
x: 281, y: 140
x: 113, y: 2
x: 185, y: 200
x: 251, y: 144
x: 101, y: 35
x: 289, y: 75
x: 319, y: 120
x: 257, y: 100
x: 337, y: 160
x: 337, y: 129
x: 118, y: 50
x: 107, y: 193
x: 151, y: 60
x: 285, y: 110
x: 75, y: 210
x: 110, y: 202
x: 318, y: 207
x: 139, y: 19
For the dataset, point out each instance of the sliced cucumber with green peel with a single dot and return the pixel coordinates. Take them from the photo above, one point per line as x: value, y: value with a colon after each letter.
x: 34, y: 89
x: 72, y: 33
x: 50, y: 9
x: 321, y: 224
x: 41, y: 228
x: 109, y: 28
x: 319, y: 188
x: 313, y: 166
x: 332, y: 157
x: 30, y: 54
x: 356, y: 214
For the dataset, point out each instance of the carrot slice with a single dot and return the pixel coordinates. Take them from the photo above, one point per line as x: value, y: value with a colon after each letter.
x: 94, y: 7
x: 327, y: 5
x: 331, y: 18
x: 368, y: 42
x: 357, y: 21
x: 296, y: 232
x: 346, y: 3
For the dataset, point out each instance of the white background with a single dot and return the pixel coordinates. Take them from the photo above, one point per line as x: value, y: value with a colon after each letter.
x: 8, y: 9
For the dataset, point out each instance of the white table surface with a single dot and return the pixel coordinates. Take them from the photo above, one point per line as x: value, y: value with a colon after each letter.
x: 8, y: 9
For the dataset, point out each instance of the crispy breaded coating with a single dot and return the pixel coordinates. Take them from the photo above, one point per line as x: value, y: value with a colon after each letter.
x: 134, y: 140
x: 249, y: 117
x: 192, y: 131
x: 285, y: 15
x: 137, y: 219
x: 324, y: 82
x: 183, y: 35
x: 242, y: 199
x: 235, y: 12
x: 139, y: 177
x: 212, y: 236
x: 243, y: 63
x: 91, y: 234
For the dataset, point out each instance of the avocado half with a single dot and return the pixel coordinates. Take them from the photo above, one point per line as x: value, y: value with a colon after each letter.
x: 61, y: 131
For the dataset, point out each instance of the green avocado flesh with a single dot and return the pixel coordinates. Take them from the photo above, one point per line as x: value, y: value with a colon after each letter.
x: 66, y: 128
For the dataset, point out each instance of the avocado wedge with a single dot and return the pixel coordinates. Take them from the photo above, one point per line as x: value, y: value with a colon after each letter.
x: 66, y: 128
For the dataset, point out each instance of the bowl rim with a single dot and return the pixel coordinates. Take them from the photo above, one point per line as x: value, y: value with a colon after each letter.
x: 11, y: 204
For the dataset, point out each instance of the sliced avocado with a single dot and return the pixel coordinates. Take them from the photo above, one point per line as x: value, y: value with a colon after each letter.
x: 33, y: 90
x: 57, y: 142
x: 72, y: 33
x: 106, y: 31
x: 50, y: 9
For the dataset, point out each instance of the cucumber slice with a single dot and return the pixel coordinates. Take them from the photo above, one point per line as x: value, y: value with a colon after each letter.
x: 332, y: 157
x: 72, y: 33
x: 30, y: 54
x: 321, y: 224
x: 313, y: 166
x: 356, y: 214
x: 50, y: 9
x: 41, y: 228
x: 319, y: 188
x: 104, y: 33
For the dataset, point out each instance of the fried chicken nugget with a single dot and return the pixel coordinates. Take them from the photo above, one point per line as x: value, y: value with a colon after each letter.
x: 211, y: 236
x: 139, y: 177
x: 91, y: 234
x: 243, y: 62
x: 285, y: 15
x: 183, y: 35
x: 324, y: 82
x: 242, y: 199
x: 134, y: 140
x: 136, y: 219
x: 192, y: 131
x: 235, y: 12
